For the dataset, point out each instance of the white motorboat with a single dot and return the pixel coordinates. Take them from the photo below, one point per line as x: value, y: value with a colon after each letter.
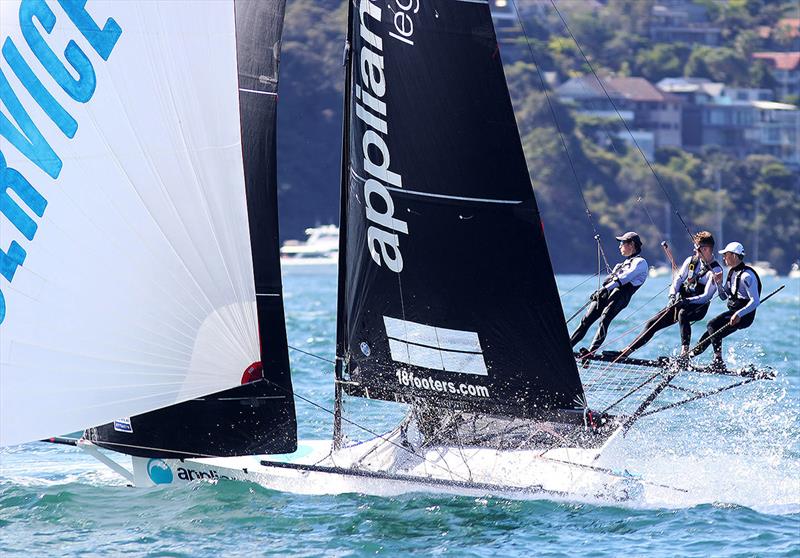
x: 320, y: 248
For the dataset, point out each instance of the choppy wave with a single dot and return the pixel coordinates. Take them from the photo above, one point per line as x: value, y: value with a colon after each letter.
x: 737, y: 456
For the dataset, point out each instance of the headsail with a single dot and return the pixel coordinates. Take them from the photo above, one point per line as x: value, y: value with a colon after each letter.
x: 127, y: 270
x: 257, y: 417
x: 448, y: 292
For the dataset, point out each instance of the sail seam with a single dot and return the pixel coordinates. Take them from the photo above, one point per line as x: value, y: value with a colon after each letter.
x: 443, y: 196
x: 437, y: 347
x: 258, y: 92
x: 448, y: 197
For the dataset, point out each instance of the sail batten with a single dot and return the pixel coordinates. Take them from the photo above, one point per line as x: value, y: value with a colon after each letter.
x: 449, y: 293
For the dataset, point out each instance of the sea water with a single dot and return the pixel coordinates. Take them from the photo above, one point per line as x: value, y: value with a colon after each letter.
x: 735, y: 459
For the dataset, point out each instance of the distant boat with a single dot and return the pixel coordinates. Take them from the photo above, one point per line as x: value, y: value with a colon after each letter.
x: 764, y: 269
x: 320, y: 248
x: 658, y: 271
x: 795, y: 272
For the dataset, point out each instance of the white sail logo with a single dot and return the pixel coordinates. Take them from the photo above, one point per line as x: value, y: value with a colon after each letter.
x: 436, y: 348
x: 403, y: 24
x: 382, y: 238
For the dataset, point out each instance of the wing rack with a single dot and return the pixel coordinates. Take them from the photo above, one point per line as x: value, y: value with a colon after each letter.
x: 672, y: 363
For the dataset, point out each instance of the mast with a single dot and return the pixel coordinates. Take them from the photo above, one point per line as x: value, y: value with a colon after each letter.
x: 718, y: 203
x: 341, y: 325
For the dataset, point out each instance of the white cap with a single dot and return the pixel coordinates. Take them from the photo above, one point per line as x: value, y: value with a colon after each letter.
x: 734, y: 247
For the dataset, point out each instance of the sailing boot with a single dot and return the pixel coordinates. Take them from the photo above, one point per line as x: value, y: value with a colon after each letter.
x: 717, y: 364
x: 583, y: 357
x: 683, y: 359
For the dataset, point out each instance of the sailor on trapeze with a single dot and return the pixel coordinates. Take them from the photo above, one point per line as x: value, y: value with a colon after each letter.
x: 616, y: 292
x: 742, y: 289
x: 690, y: 295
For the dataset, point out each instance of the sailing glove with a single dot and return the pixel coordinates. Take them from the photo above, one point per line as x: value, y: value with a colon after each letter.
x: 599, y: 295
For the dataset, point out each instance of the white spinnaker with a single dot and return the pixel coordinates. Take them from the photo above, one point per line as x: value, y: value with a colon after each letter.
x: 137, y: 290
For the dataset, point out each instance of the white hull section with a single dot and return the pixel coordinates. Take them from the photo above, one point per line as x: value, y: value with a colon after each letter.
x: 382, y: 469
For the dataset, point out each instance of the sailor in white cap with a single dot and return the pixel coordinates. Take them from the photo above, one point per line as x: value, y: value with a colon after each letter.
x: 616, y: 292
x: 742, y: 290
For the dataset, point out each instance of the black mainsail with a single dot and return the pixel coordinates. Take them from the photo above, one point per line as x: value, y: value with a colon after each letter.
x: 258, y: 416
x: 447, y: 293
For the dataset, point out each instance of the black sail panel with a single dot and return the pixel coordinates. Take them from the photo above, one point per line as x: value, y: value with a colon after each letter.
x: 259, y: 25
x: 450, y: 294
x: 258, y: 416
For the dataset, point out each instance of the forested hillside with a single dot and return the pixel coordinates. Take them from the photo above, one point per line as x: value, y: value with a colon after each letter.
x: 758, y: 197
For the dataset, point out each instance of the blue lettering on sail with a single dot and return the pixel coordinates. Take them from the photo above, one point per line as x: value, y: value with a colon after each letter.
x: 28, y: 139
x: 11, y: 261
x: 80, y: 89
x: 26, y: 136
x: 33, y: 84
x: 11, y: 179
x: 102, y: 40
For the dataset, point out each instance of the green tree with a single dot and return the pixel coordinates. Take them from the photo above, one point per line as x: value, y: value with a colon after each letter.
x: 621, y: 50
x: 746, y: 43
x: 761, y: 76
x: 721, y: 64
x: 592, y: 32
x: 662, y: 60
x: 631, y: 16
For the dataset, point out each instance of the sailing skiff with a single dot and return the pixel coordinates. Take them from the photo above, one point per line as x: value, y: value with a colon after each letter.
x: 141, y: 294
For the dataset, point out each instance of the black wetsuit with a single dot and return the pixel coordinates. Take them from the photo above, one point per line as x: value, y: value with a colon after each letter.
x: 624, y: 280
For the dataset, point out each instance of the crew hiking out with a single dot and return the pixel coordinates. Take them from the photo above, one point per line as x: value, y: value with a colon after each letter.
x: 615, y: 293
x: 742, y: 290
x: 690, y: 295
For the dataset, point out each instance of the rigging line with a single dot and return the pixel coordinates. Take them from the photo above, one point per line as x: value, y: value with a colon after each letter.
x: 702, y: 395
x: 685, y: 390
x: 614, y: 473
x: 599, y: 269
x: 178, y: 453
x: 561, y: 137
x: 668, y: 251
x: 631, y: 392
x: 657, y: 316
x: 579, y: 284
x: 383, y: 437
x: 629, y: 315
x: 633, y: 138
x: 627, y: 331
x: 672, y: 374
x: 579, y: 310
x: 322, y: 358
x: 441, y: 452
x: 640, y: 201
x: 727, y: 326
x: 464, y: 459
